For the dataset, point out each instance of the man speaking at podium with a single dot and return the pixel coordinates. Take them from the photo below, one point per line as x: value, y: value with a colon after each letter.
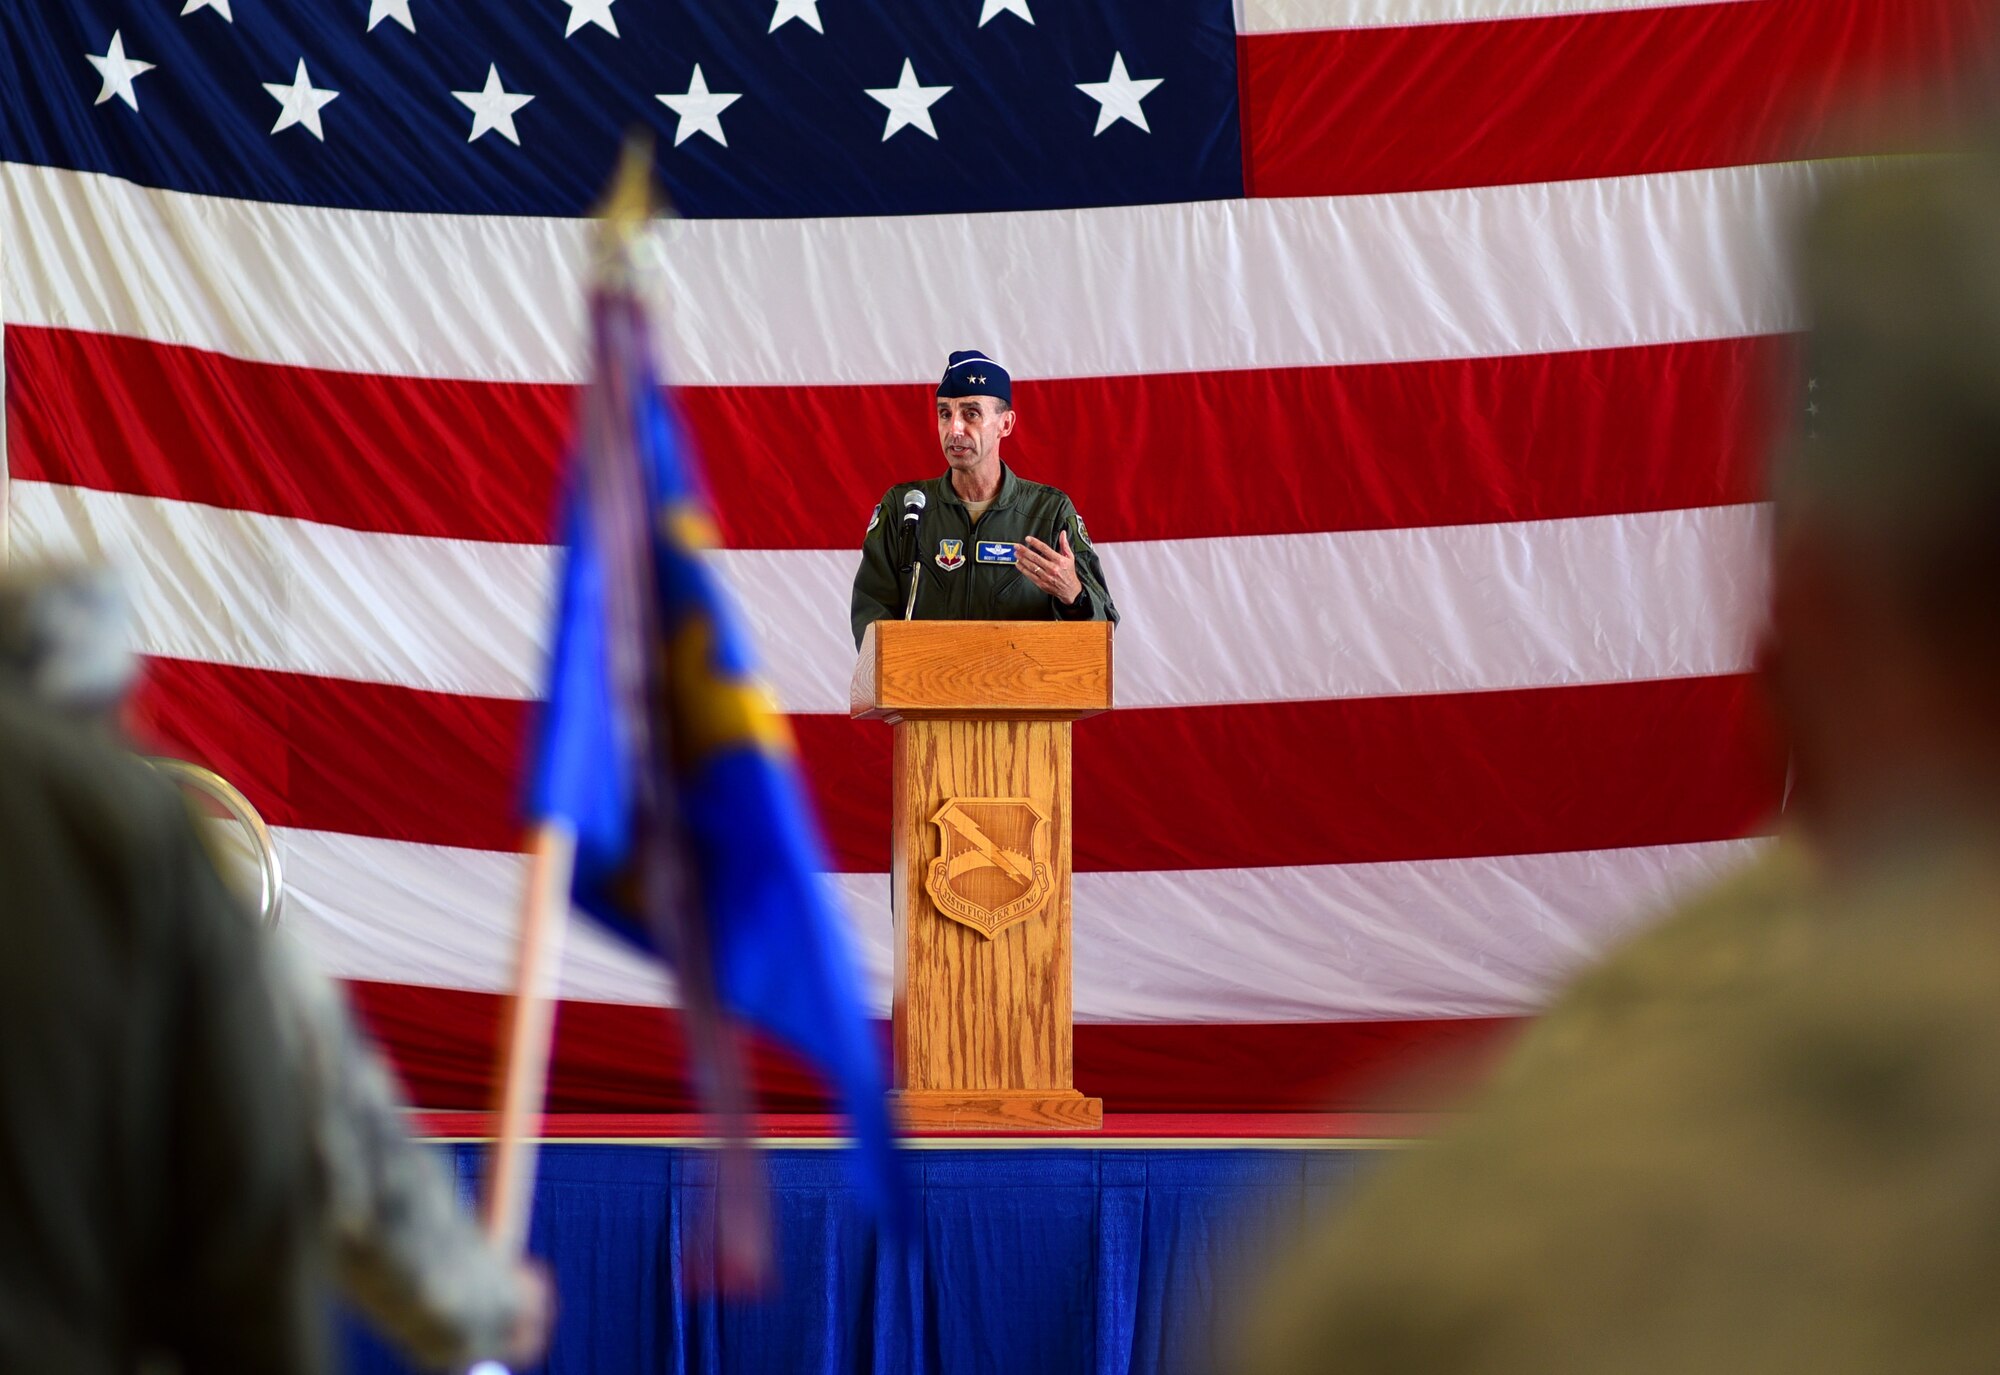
x: 978, y: 543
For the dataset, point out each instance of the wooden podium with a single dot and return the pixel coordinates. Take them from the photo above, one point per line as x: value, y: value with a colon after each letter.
x: 980, y: 862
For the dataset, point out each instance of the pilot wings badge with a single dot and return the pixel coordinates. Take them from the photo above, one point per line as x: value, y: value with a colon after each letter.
x: 992, y: 868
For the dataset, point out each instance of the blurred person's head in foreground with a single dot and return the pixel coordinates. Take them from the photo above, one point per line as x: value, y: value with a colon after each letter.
x: 1885, y: 643
x: 1759, y: 1135
x: 66, y: 638
x: 155, y: 1177
x: 405, y: 1253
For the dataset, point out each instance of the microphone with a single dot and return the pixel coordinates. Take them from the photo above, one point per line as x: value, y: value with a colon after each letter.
x: 913, y: 511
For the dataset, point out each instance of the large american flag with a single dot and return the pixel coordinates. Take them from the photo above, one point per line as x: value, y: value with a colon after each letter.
x: 1407, y: 358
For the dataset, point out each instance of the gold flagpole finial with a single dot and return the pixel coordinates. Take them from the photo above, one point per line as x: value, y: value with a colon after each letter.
x: 631, y: 203
x: 633, y: 197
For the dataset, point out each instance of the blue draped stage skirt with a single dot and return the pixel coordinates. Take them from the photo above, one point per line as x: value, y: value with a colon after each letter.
x: 1107, y: 1261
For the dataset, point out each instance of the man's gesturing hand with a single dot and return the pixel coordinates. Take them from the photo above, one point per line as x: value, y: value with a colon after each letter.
x: 1054, y: 571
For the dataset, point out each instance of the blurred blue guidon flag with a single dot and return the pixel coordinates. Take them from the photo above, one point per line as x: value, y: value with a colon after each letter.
x: 659, y: 746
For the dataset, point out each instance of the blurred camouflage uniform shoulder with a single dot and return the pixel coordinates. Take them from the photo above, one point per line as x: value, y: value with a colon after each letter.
x: 1780, y: 1158
x: 1911, y: 949
x: 405, y: 1250
x: 1722, y: 943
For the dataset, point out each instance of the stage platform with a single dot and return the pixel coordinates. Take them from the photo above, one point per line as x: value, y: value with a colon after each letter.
x: 1268, y: 1130
x: 1122, y: 1251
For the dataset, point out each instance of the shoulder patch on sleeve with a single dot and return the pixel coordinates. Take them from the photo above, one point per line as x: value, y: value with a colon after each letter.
x: 874, y: 520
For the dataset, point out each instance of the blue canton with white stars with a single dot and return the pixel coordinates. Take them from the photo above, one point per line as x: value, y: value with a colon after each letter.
x: 760, y: 108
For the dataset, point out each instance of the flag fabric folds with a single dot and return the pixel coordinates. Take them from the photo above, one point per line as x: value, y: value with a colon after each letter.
x: 659, y: 747
x: 1407, y: 359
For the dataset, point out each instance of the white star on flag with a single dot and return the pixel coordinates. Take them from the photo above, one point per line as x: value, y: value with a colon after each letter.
x: 909, y: 104
x: 398, y: 10
x: 990, y: 9
x: 789, y: 10
x: 300, y: 103
x: 118, y: 71
x: 596, y: 12
x: 700, y: 110
x: 492, y: 108
x: 221, y: 7
x: 1118, y: 96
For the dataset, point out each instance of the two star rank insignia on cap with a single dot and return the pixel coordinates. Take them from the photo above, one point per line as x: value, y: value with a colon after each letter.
x: 997, y: 553
x: 951, y: 554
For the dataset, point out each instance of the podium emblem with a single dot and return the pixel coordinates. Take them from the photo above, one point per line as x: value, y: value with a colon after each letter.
x: 992, y: 868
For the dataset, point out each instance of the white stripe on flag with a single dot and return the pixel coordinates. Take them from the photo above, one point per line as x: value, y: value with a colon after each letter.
x: 1276, y: 618
x: 1304, y: 282
x: 1325, y: 943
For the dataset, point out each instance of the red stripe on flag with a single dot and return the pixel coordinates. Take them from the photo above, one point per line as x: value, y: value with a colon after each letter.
x: 1617, y: 93
x: 334, y: 755
x: 1177, y: 456
x: 613, y: 1057
x: 1448, y: 776
x: 1283, y: 783
x: 414, y: 456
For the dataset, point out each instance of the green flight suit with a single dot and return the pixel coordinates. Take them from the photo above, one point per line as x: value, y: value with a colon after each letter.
x: 958, y: 583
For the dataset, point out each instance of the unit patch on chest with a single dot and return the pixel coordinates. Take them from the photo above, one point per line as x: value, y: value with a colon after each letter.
x: 988, y: 552
x: 951, y: 554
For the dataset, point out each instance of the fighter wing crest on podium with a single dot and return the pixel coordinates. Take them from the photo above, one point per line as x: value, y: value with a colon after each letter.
x: 992, y: 868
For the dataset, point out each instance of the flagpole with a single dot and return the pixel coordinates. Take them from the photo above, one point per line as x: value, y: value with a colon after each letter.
x: 527, y: 1036
x: 530, y: 1026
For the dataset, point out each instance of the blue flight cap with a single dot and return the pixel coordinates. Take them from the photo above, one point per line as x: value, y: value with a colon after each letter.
x: 971, y: 373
